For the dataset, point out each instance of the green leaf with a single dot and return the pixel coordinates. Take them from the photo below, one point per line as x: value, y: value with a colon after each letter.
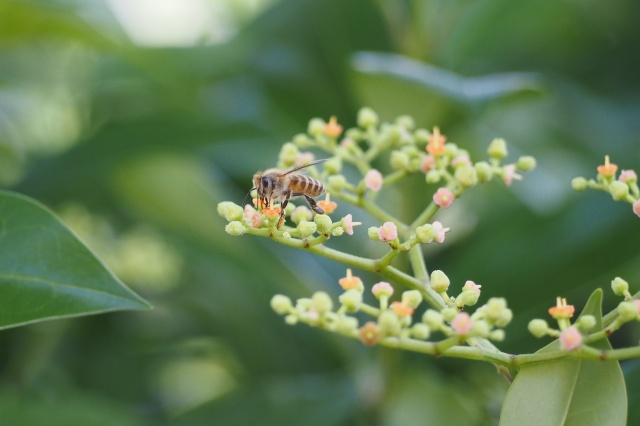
x: 447, y: 83
x: 47, y: 273
x: 569, y: 391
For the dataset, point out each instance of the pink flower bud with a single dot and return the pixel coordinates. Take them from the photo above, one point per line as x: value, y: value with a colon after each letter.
x: 570, y: 339
x: 373, y: 180
x: 462, y: 323
x: 439, y: 231
x: 443, y: 197
x: 636, y: 208
x: 382, y: 288
x: 628, y: 176
x: 388, y: 232
x: 428, y: 163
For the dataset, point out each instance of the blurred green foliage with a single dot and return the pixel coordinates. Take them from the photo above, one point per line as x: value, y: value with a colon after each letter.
x: 143, y: 141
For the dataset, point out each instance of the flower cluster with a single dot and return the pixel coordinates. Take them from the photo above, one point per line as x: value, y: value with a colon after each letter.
x: 357, y: 165
x: 393, y: 322
x: 572, y: 336
x: 622, y: 187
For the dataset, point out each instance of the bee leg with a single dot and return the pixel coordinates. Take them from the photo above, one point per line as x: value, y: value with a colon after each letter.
x: 285, y: 201
x: 313, y: 205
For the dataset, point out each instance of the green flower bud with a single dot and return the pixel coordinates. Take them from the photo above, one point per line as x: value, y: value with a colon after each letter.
x: 289, y: 209
x: 448, y: 314
x: 505, y: 318
x: 302, y: 140
x: 466, y: 175
x: 619, y: 286
x: 301, y: 213
x: 235, y: 228
x: 497, y: 335
x: 495, y: 308
x: 355, y: 135
x: 432, y: 176
x: 425, y: 233
x: 586, y: 322
x: 337, y: 182
x: 346, y: 324
x: 406, y: 122
x: 321, y: 302
x: 439, y: 281
x: 288, y: 154
x: 399, y: 160
x: 421, y: 135
x: 538, y: 327
x: 307, y: 228
x: 333, y: 165
x: 468, y: 298
x: 389, y: 323
x: 420, y: 331
x: 483, y: 170
x: 412, y: 298
x: 316, y: 127
x: 526, y: 163
x: 451, y: 150
x: 579, y: 183
x: 281, y: 304
x: 286, y: 235
x: 619, y: 190
x: 323, y: 223
x: 337, y: 231
x: 367, y: 118
x: 498, y: 149
x: 433, y: 319
x: 351, y: 300
x: 480, y: 328
x: 230, y: 211
x: 373, y: 233
x: 291, y: 319
x: 627, y: 311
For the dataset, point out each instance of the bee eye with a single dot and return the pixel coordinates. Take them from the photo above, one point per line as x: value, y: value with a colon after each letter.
x: 265, y: 182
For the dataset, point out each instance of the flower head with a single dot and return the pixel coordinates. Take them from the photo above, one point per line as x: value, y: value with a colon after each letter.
x: 443, y: 197
x: 256, y: 220
x: 570, y: 339
x: 388, y: 232
x: 382, y: 288
x: 348, y: 224
x: 628, y: 176
x: 327, y: 205
x: 607, y: 169
x: 439, y: 230
x: 271, y: 213
x: 562, y: 310
x: 401, y: 309
x: 350, y: 282
x: 369, y: 333
x: 436, y: 143
x: 373, y: 180
x: 332, y: 128
x: 509, y: 174
x: 462, y: 323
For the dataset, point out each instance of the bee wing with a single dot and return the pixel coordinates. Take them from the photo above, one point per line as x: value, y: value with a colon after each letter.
x: 311, y: 163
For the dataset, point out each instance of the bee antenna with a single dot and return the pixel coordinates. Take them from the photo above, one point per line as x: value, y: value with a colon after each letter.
x: 245, y: 197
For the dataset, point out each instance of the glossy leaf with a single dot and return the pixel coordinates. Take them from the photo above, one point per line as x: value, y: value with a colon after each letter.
x: 46, y: 272
x: 454, y: 86
x: 569, y: 391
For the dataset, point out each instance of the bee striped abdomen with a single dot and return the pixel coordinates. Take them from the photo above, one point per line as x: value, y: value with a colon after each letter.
x: 301, y: 184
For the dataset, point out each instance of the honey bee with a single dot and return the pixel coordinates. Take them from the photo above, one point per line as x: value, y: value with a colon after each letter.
x: 275, y: 184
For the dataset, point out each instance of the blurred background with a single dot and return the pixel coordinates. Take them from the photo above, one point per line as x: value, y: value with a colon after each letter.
x: 132, y: 119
